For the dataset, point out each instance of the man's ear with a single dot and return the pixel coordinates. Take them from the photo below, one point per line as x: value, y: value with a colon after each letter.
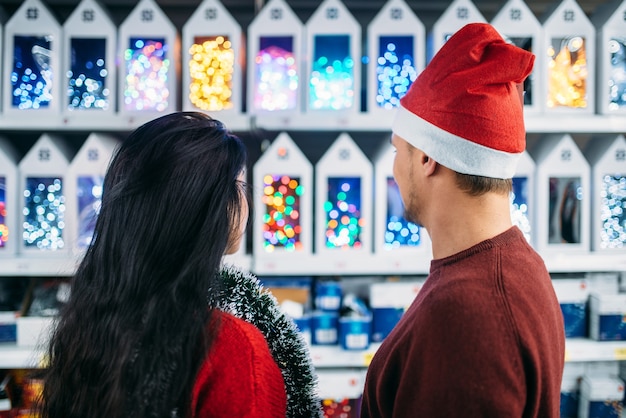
x: 428, y: 164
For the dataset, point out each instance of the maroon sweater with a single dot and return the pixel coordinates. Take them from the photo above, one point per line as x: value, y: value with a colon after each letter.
x: 483, y: 338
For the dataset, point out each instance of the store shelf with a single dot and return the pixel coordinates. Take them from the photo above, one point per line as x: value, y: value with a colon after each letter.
x: 14, y: 357
x: 333, y: 357
x: 315, y: 265
x: 315, y: 121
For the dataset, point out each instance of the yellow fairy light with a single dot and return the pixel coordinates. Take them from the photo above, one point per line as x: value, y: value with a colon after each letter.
x: 210, y: 69
x: 567, y: 74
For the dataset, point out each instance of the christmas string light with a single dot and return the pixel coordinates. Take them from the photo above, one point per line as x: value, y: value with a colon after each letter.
x: 343, y: 212
x: 88, y: 74
x: 4, y: 229
x: 567, y: 73
x: 89, y: 197
x: 617, y: 74
x: 613, y: 211
x: 395, y: 70
x: 399, y: 232
x: 519, y: 206
x: 275, y: 75
x: 211, y: 69
x: 44, y: 213
x: 281, y: 221
x: 331, y: 85
x: 31, y: 76
x: 147, y: 72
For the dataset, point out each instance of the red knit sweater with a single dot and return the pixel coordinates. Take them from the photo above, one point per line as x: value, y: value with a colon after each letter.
x: 483, y: 338
x: 239, y: 377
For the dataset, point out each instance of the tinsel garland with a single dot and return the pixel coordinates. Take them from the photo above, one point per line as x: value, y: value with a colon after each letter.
x: 242, y: 295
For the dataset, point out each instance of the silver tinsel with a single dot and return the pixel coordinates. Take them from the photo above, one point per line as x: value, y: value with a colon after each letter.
x: 242, y: 295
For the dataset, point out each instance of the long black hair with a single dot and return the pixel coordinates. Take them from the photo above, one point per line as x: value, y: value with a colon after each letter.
x: 132, y: 336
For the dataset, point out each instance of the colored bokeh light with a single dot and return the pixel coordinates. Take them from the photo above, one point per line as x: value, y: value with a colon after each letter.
x: 519, y: 206
x: 89, y: 198
x: 331, y: 84
x: 281, y: 220
x: 32, y: 73
x: 4, y: 228
x: 44, y: 213
x: 275, y: 74
x: 211, y: 69
x: 343, y: 213
x: 88, y: 75
x: 398, y: 231
x: 617, y: 74
x: 147, y: 74
x: 395, y: 70
x: 613, y: 211
x: 567, y: 73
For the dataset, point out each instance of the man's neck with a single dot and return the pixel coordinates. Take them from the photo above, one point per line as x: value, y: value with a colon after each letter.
x: 459, y: 221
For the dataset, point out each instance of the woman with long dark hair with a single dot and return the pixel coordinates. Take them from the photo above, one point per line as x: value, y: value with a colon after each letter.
x: 155, y: 325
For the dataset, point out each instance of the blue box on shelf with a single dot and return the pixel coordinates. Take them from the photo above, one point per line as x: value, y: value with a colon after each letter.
x: 324, y: 328
x: 354, y: 332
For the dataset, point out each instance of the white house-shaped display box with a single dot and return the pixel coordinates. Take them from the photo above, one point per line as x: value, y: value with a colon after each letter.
x: 333, y: 48
x: 83, y: 190
x: 212, y: 58
x: 610, y: 23
x: 568, y: 64
x: 522, y: 202
x: 458, y: 14
x: 343, y: 204
x: 148, y: 52
x: 275, y: 41
x: 562, y: 196
x: 397, y: 52
x: 283, y: 226
x: 607, y: 158
x: 32, y: 70
x: 517, y: 24
x: 8, y: 199
x: 42, y: 204
x: 89, y: 45
x: 398, y: 243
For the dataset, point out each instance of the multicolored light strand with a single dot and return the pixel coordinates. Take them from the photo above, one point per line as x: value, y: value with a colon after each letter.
x: 147, y: 72
x: 395, y: 70
x: 4, y: 229
x: 31, y: 77
x: 281, y: 221
x: 399, y: 232
x: 519, y: 206
x: 44, y: 213
x: 331, y: 85
x: 343, y: 213
x: 89, y: 196
x: 617, y: 74
x: 613, y: 211
x: 567, y: 73
x: 275, y: 75
x: 88, y: 74
x: 211, y: 69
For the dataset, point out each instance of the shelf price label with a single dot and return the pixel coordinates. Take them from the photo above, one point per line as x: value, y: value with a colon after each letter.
x: 620, y: 353
x: 367, y: 358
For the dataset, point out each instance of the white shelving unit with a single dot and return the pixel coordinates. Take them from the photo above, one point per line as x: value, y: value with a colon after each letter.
x: 334, y: 357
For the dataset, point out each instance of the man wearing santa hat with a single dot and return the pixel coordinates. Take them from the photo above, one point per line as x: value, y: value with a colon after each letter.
x: 484, y: 336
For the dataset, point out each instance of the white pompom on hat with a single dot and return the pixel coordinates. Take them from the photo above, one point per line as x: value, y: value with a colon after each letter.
x: 465, y: 110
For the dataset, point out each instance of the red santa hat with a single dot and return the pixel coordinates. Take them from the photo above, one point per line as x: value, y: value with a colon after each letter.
x: 465, y: 110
